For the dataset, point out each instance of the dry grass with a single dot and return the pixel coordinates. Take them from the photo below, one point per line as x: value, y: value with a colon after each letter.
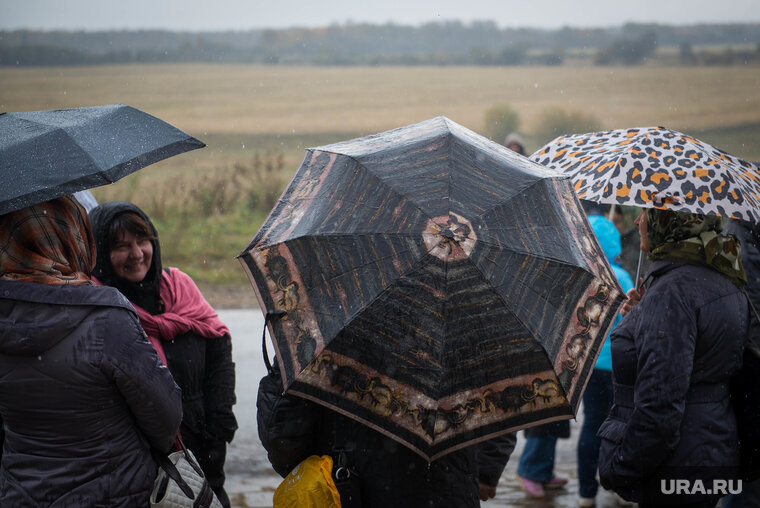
x: 244, y: 112
x: 234, y: 107
x: 231, y: 99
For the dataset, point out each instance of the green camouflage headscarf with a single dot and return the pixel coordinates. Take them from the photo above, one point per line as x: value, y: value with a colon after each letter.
x: 694, y: 238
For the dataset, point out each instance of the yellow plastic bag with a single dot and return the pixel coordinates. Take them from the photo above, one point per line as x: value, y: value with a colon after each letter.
x: 309, y: 485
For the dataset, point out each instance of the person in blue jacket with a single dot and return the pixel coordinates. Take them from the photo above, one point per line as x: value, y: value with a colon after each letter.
x: 597, y: 399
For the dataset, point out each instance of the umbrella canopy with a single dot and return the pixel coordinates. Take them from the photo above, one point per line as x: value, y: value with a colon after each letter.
x: 655, y: 167
x: 48, y: 154
x: 433, y: 285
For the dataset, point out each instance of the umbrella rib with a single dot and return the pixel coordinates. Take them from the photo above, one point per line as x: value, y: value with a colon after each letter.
x: 398, y: 194
x: 61, y: 130
x: 517, y: 318
x: 496, y: 243
x: 356, y: 267
x: 442, y: 350
x: 525, y: 325
x: 519, y: 193
x: 524, y: 285
x: 511, y: 248
x: 411, y: 268
x: 530, y: 288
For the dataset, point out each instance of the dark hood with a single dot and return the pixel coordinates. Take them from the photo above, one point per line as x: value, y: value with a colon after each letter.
x: 144, y: 294
x: 35, y: 317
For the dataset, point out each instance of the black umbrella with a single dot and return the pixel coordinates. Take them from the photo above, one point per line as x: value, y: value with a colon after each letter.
x: 48, y: 154
x: 433, y: 285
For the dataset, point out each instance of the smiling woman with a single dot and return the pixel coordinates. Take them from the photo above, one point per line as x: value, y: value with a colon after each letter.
x: 131, y: 247
x: 184, y: 329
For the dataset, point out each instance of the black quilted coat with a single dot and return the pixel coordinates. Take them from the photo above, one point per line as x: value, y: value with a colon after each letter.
x: 390, y: 474
x: 672, y: 357
x: 82, y: 394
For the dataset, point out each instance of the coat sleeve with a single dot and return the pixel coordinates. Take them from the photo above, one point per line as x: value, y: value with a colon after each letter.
x: 665, y: 345
x: 287, y: 425
x: 219, y: 389
x: 493, y: 456
x: 145, y: 383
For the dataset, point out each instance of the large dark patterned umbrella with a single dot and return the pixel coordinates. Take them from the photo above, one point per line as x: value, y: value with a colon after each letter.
x: 433, y: 285
x: 48, y: 154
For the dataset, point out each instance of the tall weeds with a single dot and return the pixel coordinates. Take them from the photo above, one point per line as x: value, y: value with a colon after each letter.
x: 205, y: 220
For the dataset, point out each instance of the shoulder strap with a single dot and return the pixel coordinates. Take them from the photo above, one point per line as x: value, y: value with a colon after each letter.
x: 269, y: 316
x: 167, y: 465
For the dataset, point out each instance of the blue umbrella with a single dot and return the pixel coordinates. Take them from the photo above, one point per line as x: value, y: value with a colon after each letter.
x: 48, y: 154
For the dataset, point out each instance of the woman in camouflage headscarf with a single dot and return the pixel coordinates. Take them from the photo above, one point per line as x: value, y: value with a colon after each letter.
x: 672, y: 357
x: 696, y: 239
x: 687, y: 237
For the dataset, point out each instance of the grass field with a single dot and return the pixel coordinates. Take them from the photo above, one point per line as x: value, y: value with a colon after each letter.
x: 257, y: 121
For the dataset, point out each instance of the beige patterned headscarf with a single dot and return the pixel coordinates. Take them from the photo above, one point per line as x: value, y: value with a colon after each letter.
x: 47, y: 243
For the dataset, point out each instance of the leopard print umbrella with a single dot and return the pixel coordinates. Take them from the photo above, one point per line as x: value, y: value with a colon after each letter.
x: 655, y: 167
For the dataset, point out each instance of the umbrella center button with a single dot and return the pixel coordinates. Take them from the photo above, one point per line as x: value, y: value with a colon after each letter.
x: 449, y: 237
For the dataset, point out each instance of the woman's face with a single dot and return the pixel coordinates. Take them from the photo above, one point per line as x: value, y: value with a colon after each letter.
x: 131, y: 257
x: 641, y: 222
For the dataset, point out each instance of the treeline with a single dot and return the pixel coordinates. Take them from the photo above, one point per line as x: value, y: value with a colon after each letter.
x: 446, y: 43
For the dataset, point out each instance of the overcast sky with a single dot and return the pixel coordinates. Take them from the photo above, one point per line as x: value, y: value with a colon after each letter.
x: 211, y: 15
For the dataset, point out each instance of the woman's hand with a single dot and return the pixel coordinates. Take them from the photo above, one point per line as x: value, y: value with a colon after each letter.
x: 634, y: 297
x: 487, y: 491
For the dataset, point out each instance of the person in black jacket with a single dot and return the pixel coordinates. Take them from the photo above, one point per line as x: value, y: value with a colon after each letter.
x: 390, y: 475
x: 748, y: 234
x: 83, y: 395
x: 184, y: 329
x: 672, y: 432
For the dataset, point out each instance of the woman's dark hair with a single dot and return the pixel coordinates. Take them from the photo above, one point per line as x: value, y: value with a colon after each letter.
x: 131, y: 223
